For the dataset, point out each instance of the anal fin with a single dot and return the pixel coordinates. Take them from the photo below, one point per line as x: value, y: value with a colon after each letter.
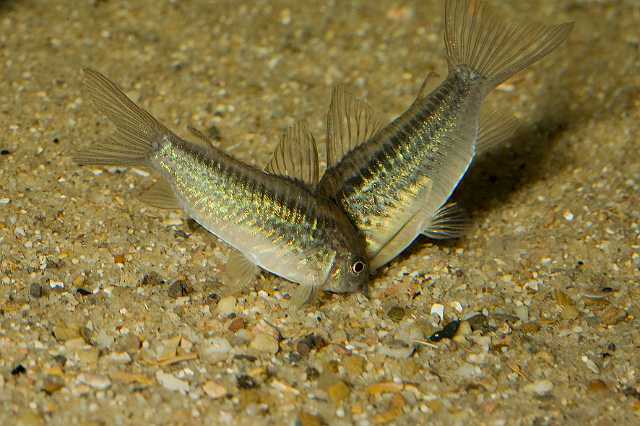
x: 495, y: 127
x: 449, y: 221
x: 161, y: 195
x: 239, y: 272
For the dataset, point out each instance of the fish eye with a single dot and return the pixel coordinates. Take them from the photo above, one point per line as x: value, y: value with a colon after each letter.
x: 358, y: 267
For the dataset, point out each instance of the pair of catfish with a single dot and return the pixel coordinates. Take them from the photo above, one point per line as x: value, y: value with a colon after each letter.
x: 384, y: 185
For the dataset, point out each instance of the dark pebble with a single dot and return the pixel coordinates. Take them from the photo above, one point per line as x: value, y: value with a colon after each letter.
x: 309, y: 343
x: 447, y: 332
x: 152, y: 278
x: 396, y: 313
x: 179, y: 288
x: 246, y: 382
x: 19, y: 369
x: 628, y: 391
x: 5, y: 152
x: 83, y: 291
x: 245, y: 357
x: 294, y: 357
x: 312, y: 373
x: 36, y: 291
x: 480, y: 322
x: 60, y: 359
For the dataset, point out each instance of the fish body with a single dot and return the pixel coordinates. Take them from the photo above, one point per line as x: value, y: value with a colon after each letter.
x: 394, y: 182
x: 274, y: 221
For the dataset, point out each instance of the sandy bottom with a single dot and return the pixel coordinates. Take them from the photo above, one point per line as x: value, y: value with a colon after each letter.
x: 112, y: 312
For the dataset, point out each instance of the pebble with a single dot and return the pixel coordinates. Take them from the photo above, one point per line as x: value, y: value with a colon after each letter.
x: 354, y: 365
x: 95, y: 381
x: 438, y: 309
x: 396, y: 313
x: 469, y: 371
x: 215, y: 349
x: 338, y: 392
x: 214, y: 389
x: 613, y: 315
x: 52, y: 383
x: 226, y: 306
x: 597, y: 385
x: 236, y: 324
x: 306, y: 419
x: 35, y: 290
x: 397, y: 349
x: 522, y: 312
x: 264, y: 342
x: 590, y: 364
x: 170, y: 382
x: 119, y: 358
x: 540, y: 387
x: 179, y: 288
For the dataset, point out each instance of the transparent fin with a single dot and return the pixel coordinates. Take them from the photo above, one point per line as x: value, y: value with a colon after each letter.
x: 303, y: 295
x: 405, y: 235
x: 202, y: 137
x: 493, y: 47
x: 427, y: 84
x: 137, y: 135
x: 296, y: 155
x: 495, y: 127
x: 240, y: 272
x: 350, y: 122
x: 449, y: 221
x: 161, y: 195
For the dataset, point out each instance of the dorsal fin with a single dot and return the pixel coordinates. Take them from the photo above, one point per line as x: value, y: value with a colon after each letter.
x: 423, y: 92
x: 350, y: 122
x: 296, y: 155
x: 495, y: 127
x: 201, y: 136
x: 161, y: 195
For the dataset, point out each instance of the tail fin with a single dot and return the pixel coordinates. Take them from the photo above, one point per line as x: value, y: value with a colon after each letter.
x: 137, y: 135
x: 494, y: 48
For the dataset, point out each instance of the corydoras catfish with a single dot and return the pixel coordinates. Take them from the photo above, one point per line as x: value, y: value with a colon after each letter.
x: 270, y: 217
x: 394, y: 181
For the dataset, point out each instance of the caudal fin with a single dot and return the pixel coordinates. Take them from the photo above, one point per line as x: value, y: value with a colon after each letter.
x: 138, y: 134
x: 491, y: 46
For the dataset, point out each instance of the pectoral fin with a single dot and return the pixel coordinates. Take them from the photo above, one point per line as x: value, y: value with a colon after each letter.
x: 240, y: 272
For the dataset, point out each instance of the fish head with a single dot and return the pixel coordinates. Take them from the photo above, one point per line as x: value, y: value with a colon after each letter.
x: 349, y: 274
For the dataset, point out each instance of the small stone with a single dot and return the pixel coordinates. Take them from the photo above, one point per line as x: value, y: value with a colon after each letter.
x: 596, y: 386
x: 540, y: 387
x: 52, y: 383
x: 613, y: 315
x: 447, y: 332
x: 170, y: 382
x: 179, y: 288
x: 236, y: 324
x: 64, y: 333
x: 119, y: 259
x: 95, y: 381
x: 396, y: 313
x: 590, y: 364
x: 306, y: 419
x: 35, y: 290
x: 464, y: 330
x: 469, y: 371
x: 479, y: 322
x: 438, y: 310
x: 226, y: 306
x: 152, y: 279
x: 88, y: 357
x: 354, y: 365
x: 569, y: 310
x: 129, y: 343
x: 168, y: 347
x: 309, y: 343
x: 119, y: 358
x: 245, y: 381
x: 214, y: 389
x: 28, y: 418
x: 264, y: 342
x: 338, y: 392
x: 215, y: 349
x: 522, y: 312
x: 530, y: 327
x: 397, y: 349
x: 103, y: 340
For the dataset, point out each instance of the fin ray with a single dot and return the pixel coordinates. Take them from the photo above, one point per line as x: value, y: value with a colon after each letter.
x: 161, y: 195
x: 494, y: 48
x: 137, y: 132
x: 449, y: 221
x: 239, y: 271
x: 350, y: 122
x: 296, y: 155
x: 495, y: 128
